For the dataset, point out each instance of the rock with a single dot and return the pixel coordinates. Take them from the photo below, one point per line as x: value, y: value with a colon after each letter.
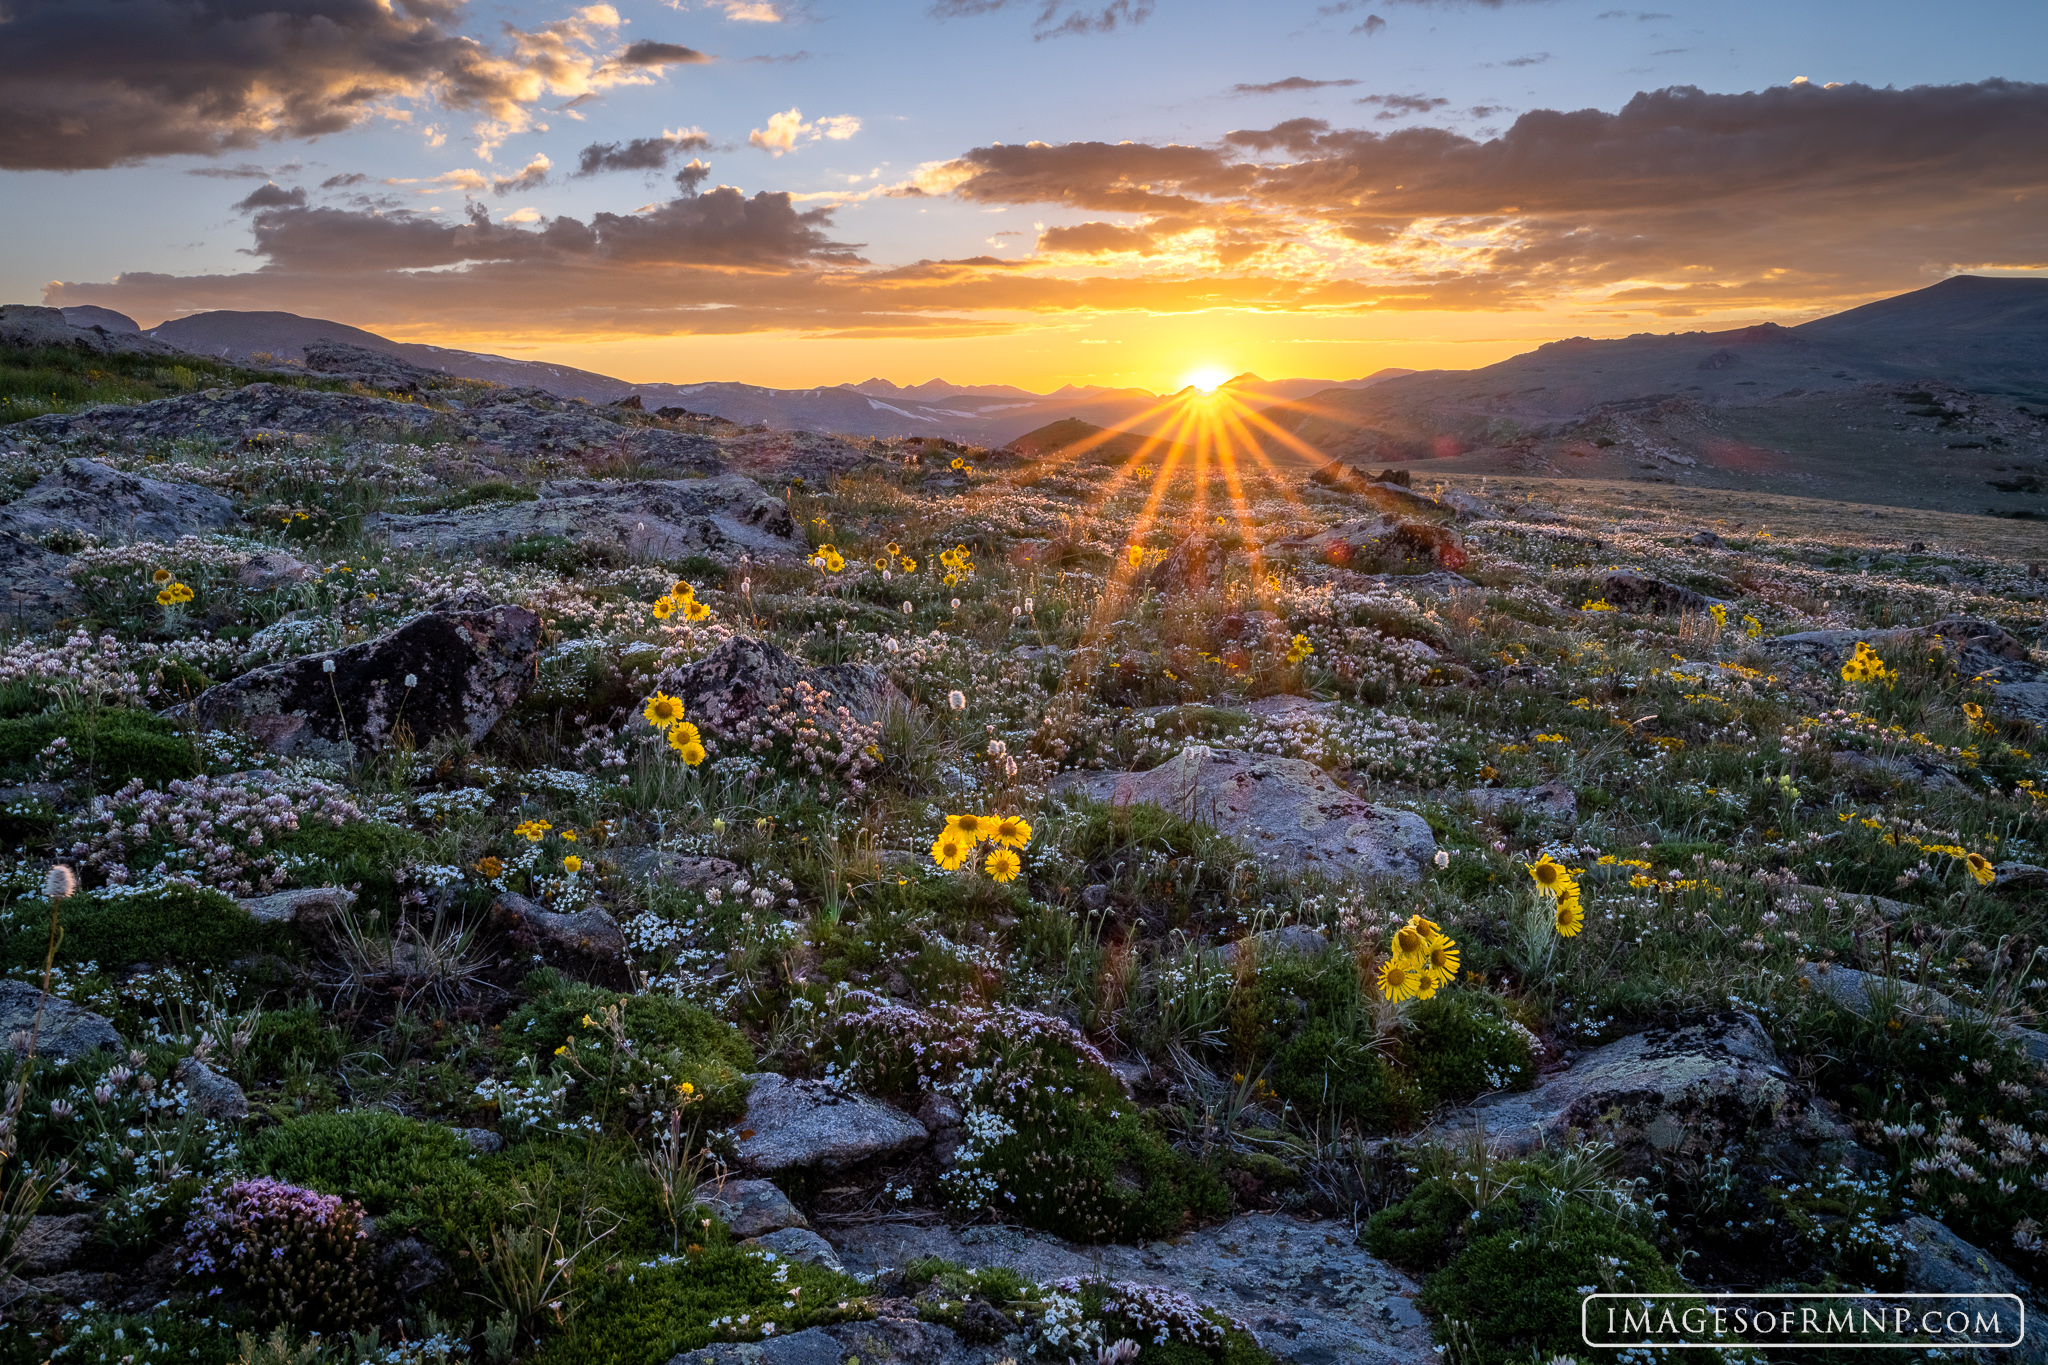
x: 2019, y: 692
x: 1856, y: 900
x: 1861, y: 992
x: 940, y: 1112
x: 801, y: 1125
x: 307, y: 905
x: 1095, y: 895
x: 648, y: 519
x: 1438, y: 583
x: 267, y: 569
x: 1288, y: 813
x: 590, y: 932
x: 798, y: 1244
x: 88, y: 498
x: 67, y: 1032
x: 1633, y: 592
x: 1340, y: 544
x: 1899, y: 770
x: 1380, y: 490
x: 215, y: 1096
x: 2018, y: 876
x: 1939, y: 1262
x: 1982, y: 643
x: 780, y: 456
x: 1310, y: 1293
x: 27, y: 326
x: 482, y: 1141
x: 886, y: 1340
x: 1468, y: 506
x: 664, y: 868
x: 408, y: 1267
x: 739, y: 683
x: 1708, y: 540
x: 1686, y: 1089
x: 1423, y: 542
x: 1193, y: 567
x: 51, y: 1242
x: 1551, y: 801
x: 35, y: 584
x: 471, y: 666
x: 1298, y: 939
x: 750, y: 1208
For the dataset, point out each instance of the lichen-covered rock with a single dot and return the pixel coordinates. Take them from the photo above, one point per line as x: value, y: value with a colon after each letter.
x: 1288, y: 813
x: 798, y: 1244
x: 665, y: 868
x: 651, y: 518
x: 215, y: 1096
x: 1939, y: 1262
x: 1687, y: 1089
x: 589, y: 931
x: 90, y: 498
x: 29, y: 325
x: 36, y: 587
x: 51, y: 1242
x: 307, y: 905
x: 804, y: 1125
x: 740, y: 679
x: 1550, y: 801
x: 1195, y: 564
x: 1633, y: 592
x: 750, y: 1208
x: 468, y: 669
x: 67, y: 1032
x: 1981, y: 642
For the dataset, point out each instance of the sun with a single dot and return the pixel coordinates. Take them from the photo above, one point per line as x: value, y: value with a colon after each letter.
x: 1206, y: 378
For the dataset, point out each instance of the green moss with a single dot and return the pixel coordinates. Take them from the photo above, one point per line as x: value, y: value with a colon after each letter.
x: 114, y: 745
x: 171, y: 924
x: 411, y: 1176
x: 1463, y: 1044
x: 1324, y: 1069
x: 1092, y: 1170
x: 636, y: 1312
x: 362, y: 853
x: 673, y: 1040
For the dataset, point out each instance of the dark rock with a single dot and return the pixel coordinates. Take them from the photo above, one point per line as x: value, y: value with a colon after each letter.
x: 1708, y: 540
x: 482, y: 1141
x: 1298, y: 939
x: 801, y: 1125
x: 307, y: 905
x: 267, y: 569
x: 215, y: 1096
x: 1290, y: 814
x: 1862, y: 993
x: 940, y: 1112
x: 67, y: 1032
x: 1939, y: 1262
x: 744, y: 677
x: 1193, y: 567
x: 1468, y: 506
x: 1909, y: 770
x: 2018, y: 876
x: 683, y: 870
x: 28, y: 326
x: 651, y: 519
x: 630, y: 403
x: 590, y: 932
x: 1552, y: 800
x: 51, y: 1243
x: 797, y: 1244
x: 1422, y: 542
x: 35, y: 584
x: 86, y: 497
x: 471, y: 667
x: 1095, y: 895
x: 1633, y: 592
x: 408, y: 1267
x: 750, y: 1208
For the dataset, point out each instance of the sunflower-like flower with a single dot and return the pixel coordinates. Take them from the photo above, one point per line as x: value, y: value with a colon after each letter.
x: 533, y: 831
x: 173, y: 595
x: 973, y: 828
x: 663, y: 608
x: 1410, y: 944
x: 662, y: 710
x: 1571, y: 917
x: 1550, y: 878
x: 695, y: 611
x: 161, y: 576
x: 1400, y: 981
x: 572, y: 864
x: 1003, y: 865
x: 1136, y: 554
x: 682, y: 735
x: 682, y: 591
x: 1980, y: 868
x: 951, y: 849
x: 1440, y: 959
x: 1012, y: 831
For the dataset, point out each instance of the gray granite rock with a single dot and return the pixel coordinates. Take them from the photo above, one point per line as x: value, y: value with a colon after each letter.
x: 307, y: 905
x: 67, y: 1032
x: 801, y: 1125
x: 51, y: 1243
x: 215, y: 1096
x: 1290, y: 814
x: 90, y: 498
x: 797, y: 1244
x: 732, y: 689
x: 887, y: 1340
x: 1550, y: 801
x: 590, y: 931
x: 1860, y: 992
x: 36, y: 587
x: 1939, y: 1262
x: 749, y: 1208
x: 723, y: 516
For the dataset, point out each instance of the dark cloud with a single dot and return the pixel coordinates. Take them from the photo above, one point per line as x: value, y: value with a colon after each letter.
x: 342, y: 182
x: 1055, y: 17
x: 691, y: 178
x: 1094, y: 239
x: 1102, y: 176
x: 94, y: 83
x: 1292, y: 83
x: 640, y: 154
x: 531, y: 176
x: 245, y: 171
x: 647, y: 52
x: 270, y: 196
x: 1533, y: 59
x: 1400, y: 106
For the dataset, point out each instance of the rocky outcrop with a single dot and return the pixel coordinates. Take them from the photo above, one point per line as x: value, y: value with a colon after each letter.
x: 1686, y: 1089
x: 798, y: 1244
x: 1861, y: 993
x: 664, y: 868
x: 743, y: 677
x: 1550, y: 801
x: 88, y: 498
x: 67, y: 1032
x: 1939, y: 1262
x: 591, y: 932
x: 1981, y: 642
x: 897, y: 1337
x: 751, y: 1208
x: 723, y: 516
x: 28, y: 326
x: 812, y: 1125
x: 1633, y: 592
x: 467, y: 669
x: 310, y: 905
x: 36, y: 587
x: 1368, y: 541
x: 1289, y: 814
x: 1194, y: 566
x: 51, y: 1242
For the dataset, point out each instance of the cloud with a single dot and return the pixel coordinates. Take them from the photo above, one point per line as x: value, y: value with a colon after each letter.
x: 751, y: 11
x: 531, y: 176
x: 1399, y: 106
x: 1533, y: 59
x: 1056, y: 17
x: 96, y: 83
x: 786, y: 130
x: 1292, y: 83
x: 647, y: 52
x: 270, y: 196
x: 640, y: 154
x: 1681, y: 202
x: 245, y: 171
x: 339, y: 182
x: 692, y: 176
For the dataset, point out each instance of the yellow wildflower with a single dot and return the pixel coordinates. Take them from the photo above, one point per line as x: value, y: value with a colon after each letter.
x: 663, y: 608
x: 1981, y: 868
x: 1012, y: 831
x: 951, y: 850
x: 662, y: 710
x: 572, y: 865
x: 1399, y: 981
x: 1003, y: 865
x: 973, y: 828
x: 533, y: 831
x: 1570, y: 917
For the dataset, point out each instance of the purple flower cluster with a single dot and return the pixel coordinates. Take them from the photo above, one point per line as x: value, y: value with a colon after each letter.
x: 1151, y: 1310
x: 898, y: 1047
x: 213, y: 828
x: 298, y: 1255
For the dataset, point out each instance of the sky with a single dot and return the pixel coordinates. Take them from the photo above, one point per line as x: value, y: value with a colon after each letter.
x: 1035, y: 192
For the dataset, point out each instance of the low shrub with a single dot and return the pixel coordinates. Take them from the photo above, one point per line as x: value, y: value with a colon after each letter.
x: 113, y: 745
x: 172, y: 923
x: 412, y: 1176
x: 298, y: 1256
x: 1169, y: 1328
x: 1463, y: 1044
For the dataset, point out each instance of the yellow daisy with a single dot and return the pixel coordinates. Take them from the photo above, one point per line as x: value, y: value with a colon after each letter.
x: 1003, y: 865
x: 682, y: 735
x: 1441, y: 958
x: 951, y: 850
x: 973, y: 828
x: 1012, y: 831
x: 1981, y: 868
x: 1399, y: 982
x: 1550, y: 878
x: 1570, y: 917
x: 1410, y: 943
x: 663, y: 608
x: 662, y: 711
x: 692, y: 754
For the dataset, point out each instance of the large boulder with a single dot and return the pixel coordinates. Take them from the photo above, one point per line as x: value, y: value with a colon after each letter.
x: 1687, y: 1089
x: 1982, y: 643
x: 1288, y: 813
x: 67, y: 1031
x: 468, y: 668
x: 1194, y: 567
x: 750, y: 1208
x: 36, y: 587
x: 743, y: 677
x: 814, y: 1125
x: 28, y: 326
x: 652, y: 519
x: 1633, y: 592
x: 86, y: 497
x: 1939, y: 1262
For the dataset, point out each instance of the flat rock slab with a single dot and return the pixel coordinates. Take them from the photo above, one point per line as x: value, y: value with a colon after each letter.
x: 36, y: 586
x: 306, y: 905
x: 798, y: 1244
x: 651, y: 519
x: 1939, y: 1262
x: 1860, y: 992
x: 1691, y: 1088
x: 1551, y: 801
x: 804, y: 1125
x: 96, y: 499
x: 469, y: 668
x: 890, y: 1340
x: 589, y: 931
x: 750, y: 1208
x: 1291, y: 815
x: 67, y: 1032
x: 1310, y: 1293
